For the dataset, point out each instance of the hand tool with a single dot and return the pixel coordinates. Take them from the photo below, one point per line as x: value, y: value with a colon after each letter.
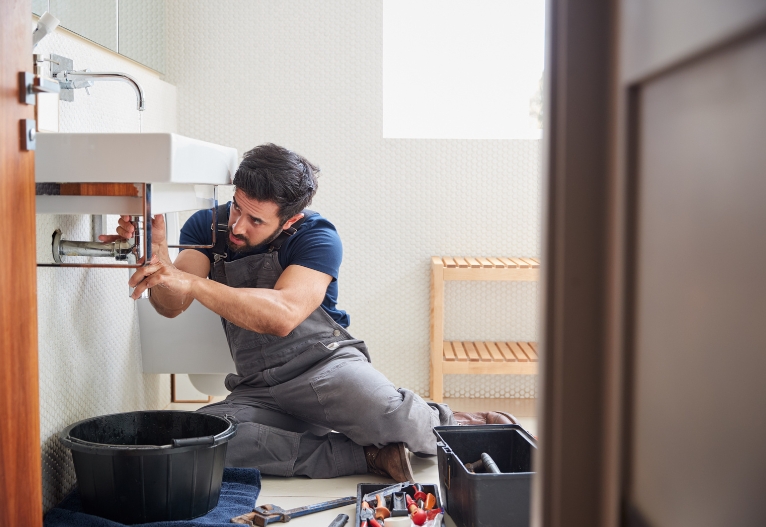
x: 419, y: 517
x: 436, y: 519
x: 367, y: 516
x: 430, y: 502
x: 489, y: 463
x: 399, y: 504
x: 385, y: 491
x: 419, y: 496
x: 417, y: 514
x: 339, y: 521
x: 381, y: 511
x: 269, y: 513
x: 476, y: 466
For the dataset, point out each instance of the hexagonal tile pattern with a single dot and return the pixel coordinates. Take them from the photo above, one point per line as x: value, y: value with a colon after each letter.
x: 308, y: 76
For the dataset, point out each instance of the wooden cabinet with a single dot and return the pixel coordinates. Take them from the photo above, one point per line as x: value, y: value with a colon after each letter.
x: 476, y: 357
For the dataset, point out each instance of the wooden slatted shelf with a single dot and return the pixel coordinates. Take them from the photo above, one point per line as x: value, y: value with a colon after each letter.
x: 519, y: 358
x: 476, y: 357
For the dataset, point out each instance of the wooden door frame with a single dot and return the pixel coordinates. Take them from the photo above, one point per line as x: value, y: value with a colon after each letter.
x: 20, y: 463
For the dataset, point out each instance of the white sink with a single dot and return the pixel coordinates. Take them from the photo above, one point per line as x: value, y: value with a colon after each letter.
x: 180, y: 169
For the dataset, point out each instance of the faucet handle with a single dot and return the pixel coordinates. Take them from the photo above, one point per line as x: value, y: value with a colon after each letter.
x: 73, y: 84
x: 83, y: 83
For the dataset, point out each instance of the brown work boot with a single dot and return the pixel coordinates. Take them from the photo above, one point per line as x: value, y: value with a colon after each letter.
x: 390, y: 461
x: 485, y: 418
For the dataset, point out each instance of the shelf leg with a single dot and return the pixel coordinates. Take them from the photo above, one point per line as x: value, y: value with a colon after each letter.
x: 437, y: 329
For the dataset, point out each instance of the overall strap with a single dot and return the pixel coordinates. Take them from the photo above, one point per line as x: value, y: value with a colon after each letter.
x: 221, y: 232
x: 279, y: 240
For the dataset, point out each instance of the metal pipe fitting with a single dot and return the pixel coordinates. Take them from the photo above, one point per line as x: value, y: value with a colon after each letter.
x: 119, y: 250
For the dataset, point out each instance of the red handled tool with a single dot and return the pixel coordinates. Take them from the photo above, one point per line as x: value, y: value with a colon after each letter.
x: 417, y: 514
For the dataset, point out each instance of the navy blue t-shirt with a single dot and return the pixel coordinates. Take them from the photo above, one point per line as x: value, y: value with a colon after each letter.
x: 316, y: 245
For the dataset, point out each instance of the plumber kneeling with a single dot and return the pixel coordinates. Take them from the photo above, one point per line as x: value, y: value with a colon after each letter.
x: 306, y: 396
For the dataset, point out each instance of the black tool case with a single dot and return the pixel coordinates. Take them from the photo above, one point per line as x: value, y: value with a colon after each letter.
x: 485, y: 499
x: 365, y: 488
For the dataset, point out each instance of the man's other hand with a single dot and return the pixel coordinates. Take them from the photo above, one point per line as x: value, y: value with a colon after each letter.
x: 126, y: 230
x: 161, y: 274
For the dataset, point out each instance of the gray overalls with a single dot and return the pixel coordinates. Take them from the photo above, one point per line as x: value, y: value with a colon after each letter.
x: 307, y: 403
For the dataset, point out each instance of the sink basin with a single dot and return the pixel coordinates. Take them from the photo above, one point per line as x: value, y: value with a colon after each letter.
x: 181, y: 170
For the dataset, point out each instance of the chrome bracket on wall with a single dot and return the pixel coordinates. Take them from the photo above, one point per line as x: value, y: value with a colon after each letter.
x: 58, y: 65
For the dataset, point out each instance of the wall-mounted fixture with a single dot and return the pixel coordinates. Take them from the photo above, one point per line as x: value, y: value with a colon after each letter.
x: 137, y: 175
x: 62, y: 68
x: 132, y: 174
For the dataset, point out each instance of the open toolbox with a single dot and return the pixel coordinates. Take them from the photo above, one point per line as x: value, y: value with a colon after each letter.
x: 364, y: 489
x: 478, y: 497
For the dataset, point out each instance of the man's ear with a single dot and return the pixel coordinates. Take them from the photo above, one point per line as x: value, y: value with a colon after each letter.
x: 289, y: 223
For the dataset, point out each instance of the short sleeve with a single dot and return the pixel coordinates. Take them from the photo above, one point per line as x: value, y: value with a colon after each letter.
x: 196, y: 231
x: 316, y: 245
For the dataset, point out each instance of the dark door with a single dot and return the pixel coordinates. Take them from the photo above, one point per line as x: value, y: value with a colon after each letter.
x: 653, y: 407
x: 696, y: 75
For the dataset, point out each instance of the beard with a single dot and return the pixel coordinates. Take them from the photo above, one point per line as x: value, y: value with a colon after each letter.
x: 248, y: 245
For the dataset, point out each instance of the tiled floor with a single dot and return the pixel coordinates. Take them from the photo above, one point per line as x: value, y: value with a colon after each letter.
x: 299, y: 491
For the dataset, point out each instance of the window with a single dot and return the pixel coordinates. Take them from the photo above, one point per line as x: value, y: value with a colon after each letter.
x: 463, y: 69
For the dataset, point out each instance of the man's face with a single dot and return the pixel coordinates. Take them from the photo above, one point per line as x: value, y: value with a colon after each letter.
x: 253, y: 223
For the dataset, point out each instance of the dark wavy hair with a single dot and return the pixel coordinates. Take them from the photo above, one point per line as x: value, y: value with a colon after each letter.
x: 273, y: 173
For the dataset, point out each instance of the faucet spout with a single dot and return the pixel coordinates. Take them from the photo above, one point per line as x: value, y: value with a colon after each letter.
x: 79, y: 79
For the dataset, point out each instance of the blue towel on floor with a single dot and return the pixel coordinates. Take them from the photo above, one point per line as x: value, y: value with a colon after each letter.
x: 239, y: 491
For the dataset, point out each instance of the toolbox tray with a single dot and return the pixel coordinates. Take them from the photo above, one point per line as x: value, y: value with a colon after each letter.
x: 486, y: 499
x: 366, y: 488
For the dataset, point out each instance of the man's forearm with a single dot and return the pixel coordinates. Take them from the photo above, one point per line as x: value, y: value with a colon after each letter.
x: 165, y: 302
x: 261, y: 310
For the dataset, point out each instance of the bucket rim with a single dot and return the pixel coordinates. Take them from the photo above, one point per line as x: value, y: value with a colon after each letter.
x: 81, y: 445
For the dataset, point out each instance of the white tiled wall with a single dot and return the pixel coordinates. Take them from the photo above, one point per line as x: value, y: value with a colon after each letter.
x: 142, y: 24
x: 307, y: 75
x: 89, y: 347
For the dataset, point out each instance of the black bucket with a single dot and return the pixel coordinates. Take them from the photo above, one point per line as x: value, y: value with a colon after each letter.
x: 140, y: 467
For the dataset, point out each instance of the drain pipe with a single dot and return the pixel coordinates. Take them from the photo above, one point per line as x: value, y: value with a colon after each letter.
x: 122, y: 250
x: 119, y: 250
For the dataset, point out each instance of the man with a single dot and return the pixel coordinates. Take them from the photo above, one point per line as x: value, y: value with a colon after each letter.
x: 305, y: 395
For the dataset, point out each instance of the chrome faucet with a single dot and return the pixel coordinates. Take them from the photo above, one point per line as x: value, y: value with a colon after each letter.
x: 71, y: 80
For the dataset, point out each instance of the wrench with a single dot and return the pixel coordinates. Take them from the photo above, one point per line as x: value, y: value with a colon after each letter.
x: 269, y: 513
